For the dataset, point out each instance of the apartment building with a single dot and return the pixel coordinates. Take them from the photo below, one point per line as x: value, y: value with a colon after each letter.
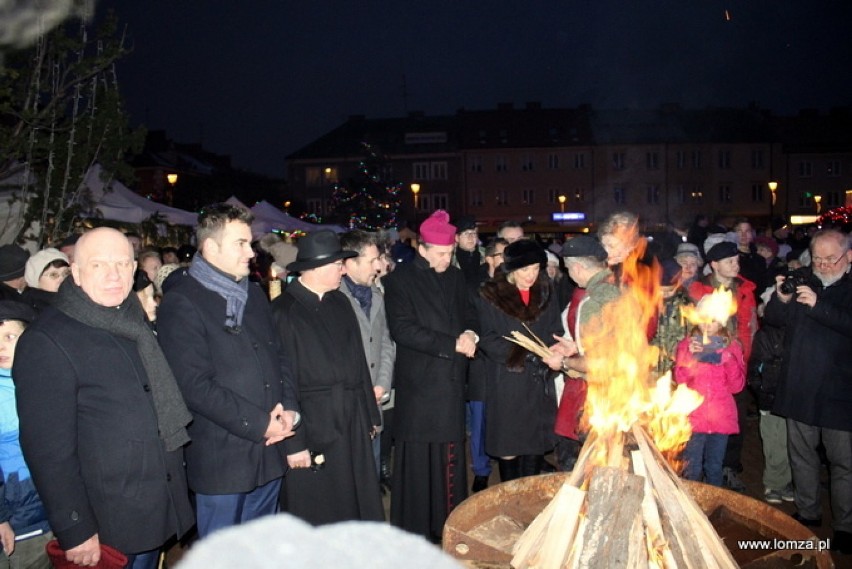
x: 539, y: 165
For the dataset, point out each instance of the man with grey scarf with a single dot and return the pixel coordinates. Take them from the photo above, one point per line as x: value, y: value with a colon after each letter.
x: 102, y: 422
x: 216, y: 330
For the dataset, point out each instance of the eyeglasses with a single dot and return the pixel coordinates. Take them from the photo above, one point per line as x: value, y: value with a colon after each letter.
x: 826, y: 261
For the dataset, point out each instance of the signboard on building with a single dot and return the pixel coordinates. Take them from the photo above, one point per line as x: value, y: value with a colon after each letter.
x: 573, y: 216
x: 425, y: 137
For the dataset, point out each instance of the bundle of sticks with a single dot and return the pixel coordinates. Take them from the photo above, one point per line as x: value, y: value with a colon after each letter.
x: 631, y: 511
x: 534, y: 344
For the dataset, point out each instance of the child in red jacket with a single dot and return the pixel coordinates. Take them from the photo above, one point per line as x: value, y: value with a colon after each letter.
x: 709, y: 362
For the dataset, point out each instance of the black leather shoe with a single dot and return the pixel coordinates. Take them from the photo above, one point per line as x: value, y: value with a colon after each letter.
x: 809, y: 522
x: 385, y: 475
x: 479, y: 483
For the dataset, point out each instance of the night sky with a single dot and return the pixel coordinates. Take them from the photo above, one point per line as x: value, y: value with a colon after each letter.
x: 259, y: 79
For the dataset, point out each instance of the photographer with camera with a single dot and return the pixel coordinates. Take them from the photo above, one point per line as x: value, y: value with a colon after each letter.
x: 815, y: 390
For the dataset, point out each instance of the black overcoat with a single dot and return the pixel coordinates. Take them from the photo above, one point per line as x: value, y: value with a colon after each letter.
x: 520, y: 398
x: 89, y: 435
x: 231, y: 380
x: 427, y: 311
x: 816, y: 372
x: 339, y: 409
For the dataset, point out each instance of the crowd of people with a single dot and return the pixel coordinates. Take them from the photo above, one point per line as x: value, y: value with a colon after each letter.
x: 145, y: 391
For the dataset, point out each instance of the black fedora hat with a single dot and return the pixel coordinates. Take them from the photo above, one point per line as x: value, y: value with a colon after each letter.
x: 318, y: 249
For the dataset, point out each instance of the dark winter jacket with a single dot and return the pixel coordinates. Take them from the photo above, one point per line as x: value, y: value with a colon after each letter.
x: 427, y: 311
x: 520, y: 397
x: 764, y: 366
x: 231, y: 380
x: 89, y: 434
x: 816, y: 375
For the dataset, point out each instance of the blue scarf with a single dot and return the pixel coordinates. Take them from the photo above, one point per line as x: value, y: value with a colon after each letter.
x: 363, y: 294
x: 234, y: 292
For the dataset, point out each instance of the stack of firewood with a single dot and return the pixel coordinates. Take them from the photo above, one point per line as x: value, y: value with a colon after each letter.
x: 632, y: 511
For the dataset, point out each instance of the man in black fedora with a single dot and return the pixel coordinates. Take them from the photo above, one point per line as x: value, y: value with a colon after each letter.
x: 319, y: 329
x: 216, y: 330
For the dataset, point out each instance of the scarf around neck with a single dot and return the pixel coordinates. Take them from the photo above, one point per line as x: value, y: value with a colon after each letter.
x: 128, y: 320
x: 234, y: 292
x: 363, y: 294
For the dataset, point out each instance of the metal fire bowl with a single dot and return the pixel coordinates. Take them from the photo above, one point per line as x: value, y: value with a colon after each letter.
x: 733, y: 515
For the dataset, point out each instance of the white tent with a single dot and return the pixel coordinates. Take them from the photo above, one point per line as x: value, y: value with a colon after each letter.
x: 12, y: 206
x: 117, y: 202
x: 277, y: 219
x: 285, y: 222
x: 269, y: 218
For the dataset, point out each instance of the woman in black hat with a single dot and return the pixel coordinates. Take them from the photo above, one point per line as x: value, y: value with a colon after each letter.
x: 520, y: 402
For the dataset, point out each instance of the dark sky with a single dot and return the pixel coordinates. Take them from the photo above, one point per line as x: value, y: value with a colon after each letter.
x: 258, y: 79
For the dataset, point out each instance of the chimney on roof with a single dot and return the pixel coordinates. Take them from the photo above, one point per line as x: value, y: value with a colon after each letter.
x: 416, y: 114
x: 533, y: 105
x: 505, y: 106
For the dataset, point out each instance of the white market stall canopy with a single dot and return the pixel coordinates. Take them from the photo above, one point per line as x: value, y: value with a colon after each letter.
x: 269, y: 218
x: 117, y: 202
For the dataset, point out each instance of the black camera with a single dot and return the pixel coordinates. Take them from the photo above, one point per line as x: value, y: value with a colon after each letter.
x: 793, y: 280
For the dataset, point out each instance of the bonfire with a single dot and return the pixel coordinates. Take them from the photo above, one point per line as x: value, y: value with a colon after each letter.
x: 624, y: 504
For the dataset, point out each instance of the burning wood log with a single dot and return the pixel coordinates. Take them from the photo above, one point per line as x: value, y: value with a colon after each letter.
x: 638, y: 515
x: 615, y: 499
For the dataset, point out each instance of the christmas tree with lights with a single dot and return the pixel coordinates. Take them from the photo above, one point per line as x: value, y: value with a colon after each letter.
x: 370, y: 199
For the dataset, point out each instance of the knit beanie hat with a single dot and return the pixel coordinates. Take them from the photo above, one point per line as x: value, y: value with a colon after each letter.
x: 13, y: 260
x: 437, y: 229
x: 37, y: 263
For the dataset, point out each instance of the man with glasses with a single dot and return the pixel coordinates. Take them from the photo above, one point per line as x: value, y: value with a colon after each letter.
x: 815, y: 390
x: 319, y: 330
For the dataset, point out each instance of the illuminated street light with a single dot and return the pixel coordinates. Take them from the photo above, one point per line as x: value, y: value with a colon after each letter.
x: 817, y: 201
x: 562, y: 200
x: 415, y: 189
x: 172, y: 180
x: 772, y: 187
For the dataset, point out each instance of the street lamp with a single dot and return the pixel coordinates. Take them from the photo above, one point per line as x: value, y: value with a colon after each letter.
x: 772, y: 187
x: 172, y: 180
x: 415, y: 189
x: 562, y: 199
x: 817, y: 200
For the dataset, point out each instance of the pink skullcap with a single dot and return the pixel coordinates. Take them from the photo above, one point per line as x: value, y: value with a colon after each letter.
x: 437, y: 229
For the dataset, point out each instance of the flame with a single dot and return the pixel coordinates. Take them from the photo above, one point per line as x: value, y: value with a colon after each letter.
x: 621, y: 388
x: 717, y: 306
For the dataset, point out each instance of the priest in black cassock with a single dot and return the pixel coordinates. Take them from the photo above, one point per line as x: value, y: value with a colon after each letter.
x: 431, y: 318
x: 320, y: 332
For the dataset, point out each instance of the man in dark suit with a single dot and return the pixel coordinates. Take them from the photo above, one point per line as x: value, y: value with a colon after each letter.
x: 101, y: 418
x: 431, y: 319
x: 216, y: 330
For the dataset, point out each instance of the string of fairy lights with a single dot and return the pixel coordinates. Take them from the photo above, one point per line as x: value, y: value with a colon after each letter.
x: 367, y: 201
x: 838, y: 217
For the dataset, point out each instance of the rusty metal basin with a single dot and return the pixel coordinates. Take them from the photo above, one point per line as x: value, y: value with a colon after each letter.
x: 735, y: 517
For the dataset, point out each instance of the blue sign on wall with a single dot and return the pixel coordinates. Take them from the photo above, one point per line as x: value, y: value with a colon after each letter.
x: 568, y: 216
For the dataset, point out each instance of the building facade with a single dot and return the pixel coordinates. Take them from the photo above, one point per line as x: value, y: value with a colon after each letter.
x: 536, y: 165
